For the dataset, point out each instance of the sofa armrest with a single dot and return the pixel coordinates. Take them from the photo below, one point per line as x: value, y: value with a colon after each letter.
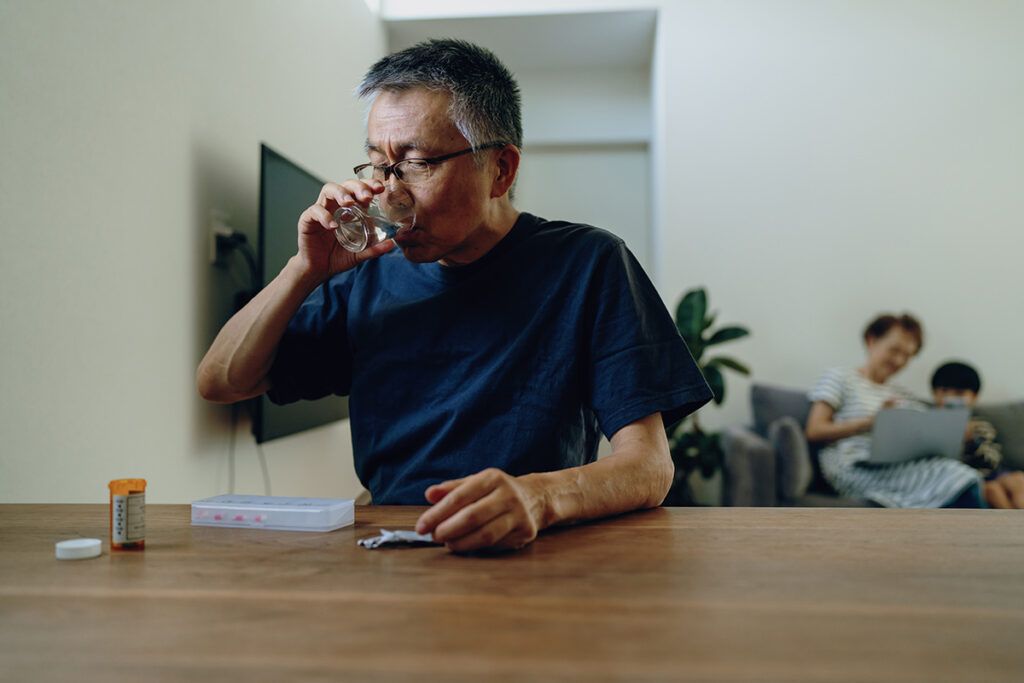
x: 793, y: 468
x: 748, y: 463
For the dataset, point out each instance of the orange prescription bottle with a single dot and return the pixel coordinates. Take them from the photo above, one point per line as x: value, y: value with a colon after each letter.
x: 127, y: 514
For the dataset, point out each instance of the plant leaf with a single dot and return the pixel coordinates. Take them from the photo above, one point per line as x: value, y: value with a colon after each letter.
x: 710, y: 320
x: 696, y: 348
x: 710, y: 455
x: 731, y: 363
x: 690, y: 313
x: 728, y: 334
x: 715, y: 380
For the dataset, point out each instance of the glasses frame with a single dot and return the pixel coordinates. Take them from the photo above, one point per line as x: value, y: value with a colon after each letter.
x: 392, y: 169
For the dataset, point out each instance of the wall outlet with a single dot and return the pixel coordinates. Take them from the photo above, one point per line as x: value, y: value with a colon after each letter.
x: 218, y: 228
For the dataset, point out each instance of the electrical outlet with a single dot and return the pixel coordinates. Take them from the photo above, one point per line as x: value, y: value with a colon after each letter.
x: 218, y: 228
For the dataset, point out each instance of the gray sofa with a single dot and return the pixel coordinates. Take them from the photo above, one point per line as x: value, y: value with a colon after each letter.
x: 771, y: 463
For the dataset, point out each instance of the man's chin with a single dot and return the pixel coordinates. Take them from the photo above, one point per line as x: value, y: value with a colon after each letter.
x: 418, y: 253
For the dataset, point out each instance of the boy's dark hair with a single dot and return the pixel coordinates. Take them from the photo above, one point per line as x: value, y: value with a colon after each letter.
x: 881, y: 325
x: 958, y: 376
x: 485, y: 102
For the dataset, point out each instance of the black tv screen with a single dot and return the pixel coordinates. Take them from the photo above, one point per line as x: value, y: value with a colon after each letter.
x: 286, y: 190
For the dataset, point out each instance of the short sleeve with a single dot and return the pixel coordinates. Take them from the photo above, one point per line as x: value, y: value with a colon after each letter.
x: 829, y: 388
x: 313, y: 359
x: 639, y: 365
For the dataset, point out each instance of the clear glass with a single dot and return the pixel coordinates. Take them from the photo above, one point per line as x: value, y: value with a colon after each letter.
x: 360, y: 228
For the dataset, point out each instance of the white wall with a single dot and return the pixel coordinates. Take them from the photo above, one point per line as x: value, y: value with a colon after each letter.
x: 820, y: 162
x: 563, y: 106
x: 123, y: 125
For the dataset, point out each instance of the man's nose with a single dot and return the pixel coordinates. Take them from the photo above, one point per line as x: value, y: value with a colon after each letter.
x: 396, y: 194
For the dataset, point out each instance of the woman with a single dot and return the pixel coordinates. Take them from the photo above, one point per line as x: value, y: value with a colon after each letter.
x: 844, y: 404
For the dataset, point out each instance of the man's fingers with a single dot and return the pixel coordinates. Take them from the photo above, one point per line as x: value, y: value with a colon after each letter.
x: 471, y: 518
x: 469, y: 490
x: 320, y: 215
x: 491, y: 534
x: 438, y: 491
x: 376, y: 250
x: 333, y: 195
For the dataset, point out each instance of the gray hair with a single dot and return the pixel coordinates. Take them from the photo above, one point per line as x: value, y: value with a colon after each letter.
x: 485, y: 103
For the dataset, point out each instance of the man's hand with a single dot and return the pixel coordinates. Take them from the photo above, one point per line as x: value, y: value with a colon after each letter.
x: 490, y: 509
x: 319, y: 254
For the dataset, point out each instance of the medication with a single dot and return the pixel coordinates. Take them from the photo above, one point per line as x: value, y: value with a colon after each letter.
x: 400, y: 537
x: 127, y: 514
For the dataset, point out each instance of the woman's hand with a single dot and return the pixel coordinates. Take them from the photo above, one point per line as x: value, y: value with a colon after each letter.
x: 823, y: 428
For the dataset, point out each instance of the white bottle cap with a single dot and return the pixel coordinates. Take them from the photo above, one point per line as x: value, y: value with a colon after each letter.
x: 79, y: 549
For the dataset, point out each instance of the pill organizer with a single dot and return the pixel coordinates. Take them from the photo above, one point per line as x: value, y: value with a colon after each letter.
x: 279, y: 513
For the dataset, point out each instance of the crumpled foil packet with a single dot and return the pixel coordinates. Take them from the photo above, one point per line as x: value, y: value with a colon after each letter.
x: 397, y: 538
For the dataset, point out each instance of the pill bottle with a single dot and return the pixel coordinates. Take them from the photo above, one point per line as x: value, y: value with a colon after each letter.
x: 127, y: 514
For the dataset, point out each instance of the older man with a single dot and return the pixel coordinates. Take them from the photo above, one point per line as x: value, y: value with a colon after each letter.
x: 483, y: 358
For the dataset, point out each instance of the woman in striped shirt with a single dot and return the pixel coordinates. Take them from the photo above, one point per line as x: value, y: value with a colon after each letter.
x: 844, y: 405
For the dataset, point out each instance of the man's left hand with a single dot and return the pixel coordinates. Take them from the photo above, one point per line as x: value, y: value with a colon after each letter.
x: 489, y: 509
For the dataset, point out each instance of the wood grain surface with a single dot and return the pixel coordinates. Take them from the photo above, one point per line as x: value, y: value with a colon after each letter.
x: 687, y: 594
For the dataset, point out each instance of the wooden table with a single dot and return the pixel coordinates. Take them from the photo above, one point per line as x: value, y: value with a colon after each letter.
x: 666, y: 594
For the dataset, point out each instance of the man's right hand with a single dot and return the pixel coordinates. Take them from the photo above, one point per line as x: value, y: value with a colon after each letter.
x: 320, y: 255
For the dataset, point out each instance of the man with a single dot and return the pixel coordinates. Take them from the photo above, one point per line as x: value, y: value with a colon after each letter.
x: 483, y: 357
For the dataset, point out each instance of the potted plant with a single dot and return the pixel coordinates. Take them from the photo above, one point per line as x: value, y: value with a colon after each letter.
x: 692, y: 448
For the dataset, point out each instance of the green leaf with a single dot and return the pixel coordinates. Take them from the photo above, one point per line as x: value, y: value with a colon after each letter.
x: 696, y: 349
x: 710, y: 455
x: 709, y: 321
x: 690, y: 313
x: 727, y: 334
x: 731, y: 363
x: 715, y: 380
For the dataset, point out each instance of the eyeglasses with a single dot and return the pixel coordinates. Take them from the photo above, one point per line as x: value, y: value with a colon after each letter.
x: 414, y: 171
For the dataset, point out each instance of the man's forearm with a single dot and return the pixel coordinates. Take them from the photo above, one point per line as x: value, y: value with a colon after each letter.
x: 615, y: 484
x: 237, y: 364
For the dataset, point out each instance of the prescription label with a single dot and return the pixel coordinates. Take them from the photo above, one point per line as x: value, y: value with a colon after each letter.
x: 128, y: 524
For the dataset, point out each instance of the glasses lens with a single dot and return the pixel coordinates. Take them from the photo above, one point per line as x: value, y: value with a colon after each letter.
x: 367, y: 172
x: 413, y: 171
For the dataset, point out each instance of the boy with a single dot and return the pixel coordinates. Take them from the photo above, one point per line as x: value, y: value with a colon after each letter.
x: 957, y: 383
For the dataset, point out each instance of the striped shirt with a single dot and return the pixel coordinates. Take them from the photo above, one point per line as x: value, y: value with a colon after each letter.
x: 928, y: 482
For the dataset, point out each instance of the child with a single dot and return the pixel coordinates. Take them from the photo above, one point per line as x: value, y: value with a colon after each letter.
x: 957, y: 383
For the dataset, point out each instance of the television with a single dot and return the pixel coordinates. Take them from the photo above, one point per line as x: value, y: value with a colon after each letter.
x: 286, y: 190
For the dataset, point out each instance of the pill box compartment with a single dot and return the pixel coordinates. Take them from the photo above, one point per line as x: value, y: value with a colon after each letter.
x: 279, y: 513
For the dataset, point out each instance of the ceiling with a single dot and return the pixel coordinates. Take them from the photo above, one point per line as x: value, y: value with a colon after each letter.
x: 598, y: 39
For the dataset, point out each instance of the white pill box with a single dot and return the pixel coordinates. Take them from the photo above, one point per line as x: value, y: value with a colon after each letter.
x: 279, y: 513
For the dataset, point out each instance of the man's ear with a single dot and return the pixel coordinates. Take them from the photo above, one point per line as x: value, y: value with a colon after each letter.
x: 506, y: 165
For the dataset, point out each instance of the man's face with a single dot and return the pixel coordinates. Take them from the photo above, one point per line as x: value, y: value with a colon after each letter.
x: 451, y: 205
x: 964, y: 397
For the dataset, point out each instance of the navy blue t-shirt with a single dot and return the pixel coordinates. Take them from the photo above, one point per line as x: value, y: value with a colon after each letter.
x: 514, y: 361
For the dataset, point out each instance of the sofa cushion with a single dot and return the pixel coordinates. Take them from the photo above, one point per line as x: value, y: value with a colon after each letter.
x: 769, y: 403
x: 1008, y: 419
x: 793, y: 470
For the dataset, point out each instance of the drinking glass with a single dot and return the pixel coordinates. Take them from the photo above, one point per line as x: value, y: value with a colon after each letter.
x: 359, y: 228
